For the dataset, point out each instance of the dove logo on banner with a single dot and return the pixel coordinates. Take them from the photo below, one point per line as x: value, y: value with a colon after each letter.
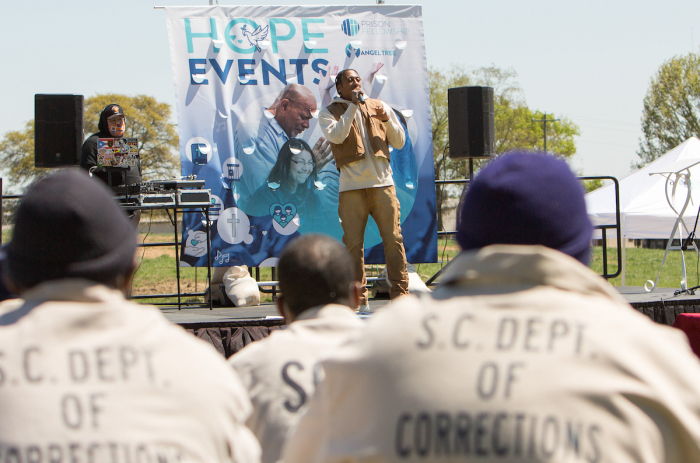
x: 256, y: 36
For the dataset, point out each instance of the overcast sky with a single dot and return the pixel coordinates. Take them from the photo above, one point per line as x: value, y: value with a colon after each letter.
x: 589, y: 61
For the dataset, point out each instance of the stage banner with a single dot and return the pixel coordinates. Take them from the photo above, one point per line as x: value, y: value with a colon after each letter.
x: 249, y: 84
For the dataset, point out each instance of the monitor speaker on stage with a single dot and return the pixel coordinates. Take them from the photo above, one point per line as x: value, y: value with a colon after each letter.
x: 472, y: 127
x: 58, y: 130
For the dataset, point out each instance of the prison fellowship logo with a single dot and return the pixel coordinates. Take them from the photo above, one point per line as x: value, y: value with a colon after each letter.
x: 350, y: 27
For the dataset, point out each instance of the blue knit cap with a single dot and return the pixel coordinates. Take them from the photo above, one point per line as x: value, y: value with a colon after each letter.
x: 526, y: 198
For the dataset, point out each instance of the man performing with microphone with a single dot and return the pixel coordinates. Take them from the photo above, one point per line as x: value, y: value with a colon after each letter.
x: 360, y: 131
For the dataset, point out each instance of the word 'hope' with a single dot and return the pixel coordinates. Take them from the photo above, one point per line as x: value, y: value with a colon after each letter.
x: 281, y: 30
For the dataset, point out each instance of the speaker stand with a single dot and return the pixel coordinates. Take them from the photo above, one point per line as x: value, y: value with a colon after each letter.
x: 470, y: 163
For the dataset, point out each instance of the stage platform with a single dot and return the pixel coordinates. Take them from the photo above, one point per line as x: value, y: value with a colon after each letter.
x: 230, y: 329
x: 661, y: 305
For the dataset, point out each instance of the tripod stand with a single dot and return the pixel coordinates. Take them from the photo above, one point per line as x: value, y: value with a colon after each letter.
x: 678, y: 173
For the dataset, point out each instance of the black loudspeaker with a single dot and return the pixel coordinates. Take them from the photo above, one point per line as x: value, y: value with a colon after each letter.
x: 58, y: 130
x: 472, y: 127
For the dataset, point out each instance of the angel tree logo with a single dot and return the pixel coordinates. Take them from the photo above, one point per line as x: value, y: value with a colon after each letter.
x: 349, y: 51
x: 350, y: 27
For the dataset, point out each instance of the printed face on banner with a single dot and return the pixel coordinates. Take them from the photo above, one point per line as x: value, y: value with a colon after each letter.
x: 302, y: 166
x: 293, y: 115
x: 251, y: 90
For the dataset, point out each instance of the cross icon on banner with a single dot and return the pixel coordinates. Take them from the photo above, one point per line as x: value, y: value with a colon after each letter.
x: 233, y: 221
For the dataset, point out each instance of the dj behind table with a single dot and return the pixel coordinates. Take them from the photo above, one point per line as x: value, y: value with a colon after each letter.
x: 122, y: 167
x: 112, y: 125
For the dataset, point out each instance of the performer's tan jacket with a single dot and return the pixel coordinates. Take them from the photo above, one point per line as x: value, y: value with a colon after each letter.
x: 87, y: 376
x: 360, y: 142
x: 280, y: 371
x: 523, y: 354
x: 352, y: 147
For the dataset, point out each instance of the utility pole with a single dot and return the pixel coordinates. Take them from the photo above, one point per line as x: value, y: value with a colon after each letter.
x: 544, y: 125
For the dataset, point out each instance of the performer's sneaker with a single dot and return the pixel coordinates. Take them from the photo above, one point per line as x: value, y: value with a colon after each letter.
x: 364, y: 308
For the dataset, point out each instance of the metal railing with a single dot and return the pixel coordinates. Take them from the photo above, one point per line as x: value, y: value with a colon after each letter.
x: 178, y: 295
x: 430, y: 282
x: 602, y: 228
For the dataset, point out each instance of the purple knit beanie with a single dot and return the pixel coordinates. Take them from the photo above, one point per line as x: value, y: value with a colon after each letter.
x: 526, y: 198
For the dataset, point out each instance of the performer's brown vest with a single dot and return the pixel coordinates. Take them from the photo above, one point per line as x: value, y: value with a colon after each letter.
x: 353, y: 149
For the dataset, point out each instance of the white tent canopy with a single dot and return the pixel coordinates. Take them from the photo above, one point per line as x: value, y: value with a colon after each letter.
x: 644, y: 210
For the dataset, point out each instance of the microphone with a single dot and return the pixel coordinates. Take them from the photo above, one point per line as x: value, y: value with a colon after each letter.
x: 362, y: 97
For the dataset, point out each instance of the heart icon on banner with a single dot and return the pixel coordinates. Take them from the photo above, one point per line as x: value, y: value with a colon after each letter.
x: 283, y: 214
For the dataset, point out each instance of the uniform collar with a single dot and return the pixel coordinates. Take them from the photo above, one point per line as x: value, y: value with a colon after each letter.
x: 276, y: 126
x: 73, y: 289
x: 326, y: 311
x: 514, y: 266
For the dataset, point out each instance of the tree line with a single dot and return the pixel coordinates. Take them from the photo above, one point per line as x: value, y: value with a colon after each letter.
x: 146, y: 119
x: 671, y: 115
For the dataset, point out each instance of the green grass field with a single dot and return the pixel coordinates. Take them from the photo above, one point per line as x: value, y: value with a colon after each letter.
x: 157, y: 272
x: 642, y: 265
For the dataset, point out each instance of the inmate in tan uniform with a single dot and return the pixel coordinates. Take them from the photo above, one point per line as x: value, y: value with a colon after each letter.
x: 86, y: 376
x: 522, y: 355
x: 280, y: 371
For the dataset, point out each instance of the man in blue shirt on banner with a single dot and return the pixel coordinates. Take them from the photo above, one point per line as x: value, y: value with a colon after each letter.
x: 287, y: 117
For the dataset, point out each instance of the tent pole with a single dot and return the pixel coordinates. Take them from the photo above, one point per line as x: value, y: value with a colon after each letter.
x: 624, y: 258
x: 624, y: 249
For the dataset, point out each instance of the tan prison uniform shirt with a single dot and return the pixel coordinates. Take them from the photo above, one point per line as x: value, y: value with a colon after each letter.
x: 521, y: 355
x: 280, y: 371
x: 87, y: 376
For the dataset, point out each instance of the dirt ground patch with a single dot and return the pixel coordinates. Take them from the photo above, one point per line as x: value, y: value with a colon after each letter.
x: 152, y: 253
x: 170, y: 287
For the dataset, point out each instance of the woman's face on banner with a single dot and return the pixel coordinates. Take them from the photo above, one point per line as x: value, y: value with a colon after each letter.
x: 302, y: 166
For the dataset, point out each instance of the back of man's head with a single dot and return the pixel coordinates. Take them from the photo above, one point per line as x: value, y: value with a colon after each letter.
x: 315, y: 270
x: 526, y: 198
x: 69, y: 226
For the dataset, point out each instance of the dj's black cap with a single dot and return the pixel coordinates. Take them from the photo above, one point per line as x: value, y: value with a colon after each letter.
x: 112, y: 110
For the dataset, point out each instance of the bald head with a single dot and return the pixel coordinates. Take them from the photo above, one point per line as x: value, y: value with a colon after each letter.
x: 294, y: 109
x: 296, y: 92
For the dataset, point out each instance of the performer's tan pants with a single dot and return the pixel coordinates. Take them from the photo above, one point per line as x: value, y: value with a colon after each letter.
x: 354, y: 209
